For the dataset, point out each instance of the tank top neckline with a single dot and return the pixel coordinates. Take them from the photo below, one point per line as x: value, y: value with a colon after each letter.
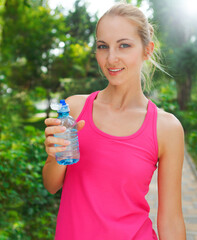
x: 100, y: 132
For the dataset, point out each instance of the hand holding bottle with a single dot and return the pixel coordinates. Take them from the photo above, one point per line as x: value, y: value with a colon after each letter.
x: 53, y: 127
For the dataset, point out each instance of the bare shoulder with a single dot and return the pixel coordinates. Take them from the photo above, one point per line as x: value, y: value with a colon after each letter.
x: 76, y: 104
x: 169, y: 130
x: 168, y: 122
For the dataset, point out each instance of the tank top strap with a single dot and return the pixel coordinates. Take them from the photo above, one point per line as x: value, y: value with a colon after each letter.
x: 87, y: 108
x: 153, y: 113
x: 92, y: 96
x: 151, y: 124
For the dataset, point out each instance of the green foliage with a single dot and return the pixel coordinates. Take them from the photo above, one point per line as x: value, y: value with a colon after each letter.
x: 28, y: 211
x: 81, y: 23
x: 185, y: 61
x: 24, y: 203
x: 26, y: 43
x: 167, y: 99
x: 86, y: 85
x: 167, y: 96
x: 39, y: 47
x: 176, y: 30
x: 74, y: 62
x: 192, y: 145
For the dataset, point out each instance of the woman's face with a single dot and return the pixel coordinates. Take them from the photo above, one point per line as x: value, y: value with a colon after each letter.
x: 120, y: 53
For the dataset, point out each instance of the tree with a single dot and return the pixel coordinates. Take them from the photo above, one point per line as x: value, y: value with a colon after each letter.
x: 81, y: 23
x: 177, y: 33
x: 29, y: 33
x: 185, y: 65
x: 39, y: 48
x: 76, y: 66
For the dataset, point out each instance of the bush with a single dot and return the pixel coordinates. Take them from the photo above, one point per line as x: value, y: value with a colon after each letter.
x: 28, y: 211
x: 167, y: 99
x: 192, y: 145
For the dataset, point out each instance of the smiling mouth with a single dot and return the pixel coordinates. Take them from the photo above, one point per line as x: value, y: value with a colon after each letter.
x: 115, y: 69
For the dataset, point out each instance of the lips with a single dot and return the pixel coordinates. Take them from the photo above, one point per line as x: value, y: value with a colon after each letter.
x: 115, y: 71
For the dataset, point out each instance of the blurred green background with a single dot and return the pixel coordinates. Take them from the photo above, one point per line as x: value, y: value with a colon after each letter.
x: 48, y: 54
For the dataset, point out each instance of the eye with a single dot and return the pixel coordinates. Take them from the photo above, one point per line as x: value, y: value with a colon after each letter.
x: 124, y: 45
x: 102, y: 47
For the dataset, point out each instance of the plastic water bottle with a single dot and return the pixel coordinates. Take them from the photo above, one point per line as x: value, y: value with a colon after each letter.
x: 71, y: 154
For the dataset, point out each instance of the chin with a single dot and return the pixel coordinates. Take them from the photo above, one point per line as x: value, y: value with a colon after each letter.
x: 116, y: 82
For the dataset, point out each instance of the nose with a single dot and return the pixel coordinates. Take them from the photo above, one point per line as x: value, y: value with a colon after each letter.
x: 112, y: 56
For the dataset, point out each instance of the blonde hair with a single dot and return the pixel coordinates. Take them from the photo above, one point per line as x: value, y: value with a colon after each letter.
x: 146, y: 33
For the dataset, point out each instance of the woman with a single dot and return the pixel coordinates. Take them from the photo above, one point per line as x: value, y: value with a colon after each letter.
x: 123, y: 137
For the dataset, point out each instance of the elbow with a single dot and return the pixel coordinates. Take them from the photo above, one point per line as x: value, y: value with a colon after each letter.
x: 51, y: 182
x: 52, y: 190
x: 49, y: 186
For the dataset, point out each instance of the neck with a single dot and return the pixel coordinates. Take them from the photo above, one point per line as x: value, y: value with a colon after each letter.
x: 121, y: 97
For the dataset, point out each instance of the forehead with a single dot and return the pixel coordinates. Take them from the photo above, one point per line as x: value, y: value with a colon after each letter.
x: 116, y: 26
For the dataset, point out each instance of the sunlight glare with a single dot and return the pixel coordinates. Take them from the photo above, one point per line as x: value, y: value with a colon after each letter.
x: 190, y: 7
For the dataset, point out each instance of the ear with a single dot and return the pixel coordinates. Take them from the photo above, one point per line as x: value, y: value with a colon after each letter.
x: 149, y: 50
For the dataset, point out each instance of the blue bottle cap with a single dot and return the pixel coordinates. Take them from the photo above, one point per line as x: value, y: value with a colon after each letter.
x: 63, y: 106
x: 62, y: 102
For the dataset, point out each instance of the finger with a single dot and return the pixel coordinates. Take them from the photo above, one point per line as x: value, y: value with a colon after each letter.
x: 52, y: 121
x: 52, y: 150
x: 54, y: 129
x: 50, y: 141
x: 80, y: 125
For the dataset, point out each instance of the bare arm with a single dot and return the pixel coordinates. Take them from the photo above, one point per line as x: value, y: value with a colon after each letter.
x: 53, y: 173
x: 170, y: 220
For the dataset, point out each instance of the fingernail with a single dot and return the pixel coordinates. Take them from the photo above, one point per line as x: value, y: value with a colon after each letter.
x: 63, y: 128
x: 66, y: 142
x: 57, y: 121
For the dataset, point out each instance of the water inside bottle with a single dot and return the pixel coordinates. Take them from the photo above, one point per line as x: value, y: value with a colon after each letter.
x: 71, y: 154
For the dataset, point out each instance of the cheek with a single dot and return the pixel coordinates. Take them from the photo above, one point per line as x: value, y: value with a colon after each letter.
x: 136, y: 58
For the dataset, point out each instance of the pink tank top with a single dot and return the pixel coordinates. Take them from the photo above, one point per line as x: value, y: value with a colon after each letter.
x: 103, y: 196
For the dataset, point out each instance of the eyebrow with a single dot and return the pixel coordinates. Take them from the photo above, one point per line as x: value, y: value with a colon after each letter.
x: 120, y: 40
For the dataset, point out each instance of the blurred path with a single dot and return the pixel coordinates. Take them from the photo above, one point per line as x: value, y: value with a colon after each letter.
x: 189, y: 200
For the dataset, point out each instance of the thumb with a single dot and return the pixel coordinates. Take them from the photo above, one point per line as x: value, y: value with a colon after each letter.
x: 80, y: 125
